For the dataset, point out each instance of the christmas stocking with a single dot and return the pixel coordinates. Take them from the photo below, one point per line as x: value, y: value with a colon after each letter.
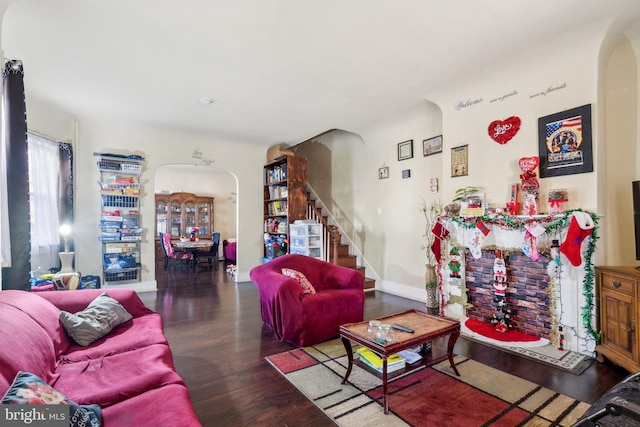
x: 441, y: 233
x: 530, y: 244
x: 474, y: 242
x: 581, y: 226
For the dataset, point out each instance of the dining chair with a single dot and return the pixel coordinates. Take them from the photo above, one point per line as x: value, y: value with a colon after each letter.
x: 212, y: 254
x: 173, y: 257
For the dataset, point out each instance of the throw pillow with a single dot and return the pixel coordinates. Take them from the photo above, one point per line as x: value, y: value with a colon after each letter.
x: 29, y: 389
x: 307, y: 287
x: 97, y: 320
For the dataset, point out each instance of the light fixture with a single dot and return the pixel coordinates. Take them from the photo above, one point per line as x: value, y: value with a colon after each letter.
x: 66, y: 256
x: 206, y: 101
x: 66, y: 277
x: 65, y: 231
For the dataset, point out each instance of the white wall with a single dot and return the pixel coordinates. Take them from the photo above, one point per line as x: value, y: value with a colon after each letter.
x: 158, y: 147
x: 391, y: 206
x: 381, y: 217
x: 494, y: 166
x: 388, y: 210
x: 384, y: 214
x: 620, y: 96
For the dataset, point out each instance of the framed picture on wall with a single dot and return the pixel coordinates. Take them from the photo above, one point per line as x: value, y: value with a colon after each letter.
x: 564, y: 142
x: 383, y: 172
x: 405, y: 150
x: 460, y: 161
x: 432, y: 146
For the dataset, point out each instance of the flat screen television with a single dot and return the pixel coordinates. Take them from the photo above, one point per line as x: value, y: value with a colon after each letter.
x: 636, y: 215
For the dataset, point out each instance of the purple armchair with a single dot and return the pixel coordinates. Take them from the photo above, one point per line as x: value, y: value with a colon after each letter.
x: 307, y: 319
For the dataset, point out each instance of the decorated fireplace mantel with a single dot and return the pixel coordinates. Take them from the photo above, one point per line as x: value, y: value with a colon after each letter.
x: 522, y: 263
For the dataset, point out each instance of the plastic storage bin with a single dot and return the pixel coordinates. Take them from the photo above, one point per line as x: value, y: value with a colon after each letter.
x: 306, y: 239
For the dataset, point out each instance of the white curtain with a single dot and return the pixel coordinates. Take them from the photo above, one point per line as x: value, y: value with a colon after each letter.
x: 44, y: 175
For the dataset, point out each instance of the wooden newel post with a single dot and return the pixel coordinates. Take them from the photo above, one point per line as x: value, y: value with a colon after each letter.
x: 335, y: 240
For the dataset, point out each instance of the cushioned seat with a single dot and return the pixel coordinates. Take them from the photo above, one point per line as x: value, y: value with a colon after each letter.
x: 229, y: 251
x: 128, y: 372
x: 172, y: 257
x: 308, y: 318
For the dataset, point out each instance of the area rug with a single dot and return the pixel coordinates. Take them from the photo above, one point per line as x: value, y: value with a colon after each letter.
x: 434, y: 396
x: 538, y: 350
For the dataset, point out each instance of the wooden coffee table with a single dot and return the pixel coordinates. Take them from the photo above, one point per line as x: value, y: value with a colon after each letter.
x: 427, y: 328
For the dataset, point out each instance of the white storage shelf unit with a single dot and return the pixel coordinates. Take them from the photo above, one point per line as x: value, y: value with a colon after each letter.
x: 306, y: 239
x: 120, y: 228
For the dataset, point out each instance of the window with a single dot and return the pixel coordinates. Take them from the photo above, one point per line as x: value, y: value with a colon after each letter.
x: 44, y: 184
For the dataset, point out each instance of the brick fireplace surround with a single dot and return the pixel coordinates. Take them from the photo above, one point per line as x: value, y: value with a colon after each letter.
x: 526, y: 293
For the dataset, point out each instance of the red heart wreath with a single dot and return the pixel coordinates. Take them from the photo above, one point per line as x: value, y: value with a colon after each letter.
x: 501, y: 131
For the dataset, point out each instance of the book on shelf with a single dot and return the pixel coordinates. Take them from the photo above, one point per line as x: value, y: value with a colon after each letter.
x: 278, y: 207
x: 373, y: 360
x: 278, y: 192
x: 276, y: 174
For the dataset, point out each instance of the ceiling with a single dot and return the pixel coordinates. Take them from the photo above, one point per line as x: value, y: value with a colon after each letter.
x: 276, y: 70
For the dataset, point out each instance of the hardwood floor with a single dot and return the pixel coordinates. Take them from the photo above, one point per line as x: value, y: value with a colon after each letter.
x: 219, y: 343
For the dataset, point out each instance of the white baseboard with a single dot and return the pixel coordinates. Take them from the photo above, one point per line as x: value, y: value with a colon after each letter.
x: 401, y: 290
x: 243, y: 277
x: 453, y: 311
x: 146, y: 286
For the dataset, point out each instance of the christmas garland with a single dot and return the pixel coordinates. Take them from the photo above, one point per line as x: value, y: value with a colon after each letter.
x: 553, y: 223
x: 589, y: 277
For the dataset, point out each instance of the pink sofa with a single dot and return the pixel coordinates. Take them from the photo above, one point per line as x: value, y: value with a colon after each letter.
x: 129, y: 372
x: 306, y: 319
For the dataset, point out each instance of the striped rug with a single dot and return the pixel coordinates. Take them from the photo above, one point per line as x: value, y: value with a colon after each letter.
x: 435, y: 396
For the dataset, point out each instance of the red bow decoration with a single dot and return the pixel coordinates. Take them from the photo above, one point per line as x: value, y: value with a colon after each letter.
x: 501, y: 131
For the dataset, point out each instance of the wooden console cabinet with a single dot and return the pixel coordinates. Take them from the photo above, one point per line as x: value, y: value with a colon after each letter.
x: 619, y: 296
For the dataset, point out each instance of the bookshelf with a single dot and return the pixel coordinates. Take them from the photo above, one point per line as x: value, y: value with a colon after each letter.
x: 285, y: 201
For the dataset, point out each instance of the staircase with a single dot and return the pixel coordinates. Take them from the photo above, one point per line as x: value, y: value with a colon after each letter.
x: 335, y: 251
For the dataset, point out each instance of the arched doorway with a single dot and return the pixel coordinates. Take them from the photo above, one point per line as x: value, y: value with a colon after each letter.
x: 202, y: 181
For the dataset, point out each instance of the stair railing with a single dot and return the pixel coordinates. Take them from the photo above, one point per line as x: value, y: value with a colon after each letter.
x: 331, y: 234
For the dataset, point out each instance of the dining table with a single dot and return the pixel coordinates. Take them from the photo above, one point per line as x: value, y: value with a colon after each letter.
x: 193, y: 246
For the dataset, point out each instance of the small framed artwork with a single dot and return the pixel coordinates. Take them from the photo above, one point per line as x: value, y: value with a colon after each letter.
x: 432, y: 146
x: 405, y: 150
x: 433, y: 185
x: 460, y: 161
x: 564, y: 142
x: 406, y: 173
x: 383, y: 172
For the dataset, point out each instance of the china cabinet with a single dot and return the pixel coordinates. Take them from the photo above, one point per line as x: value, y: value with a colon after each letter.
x: 181, y: 213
